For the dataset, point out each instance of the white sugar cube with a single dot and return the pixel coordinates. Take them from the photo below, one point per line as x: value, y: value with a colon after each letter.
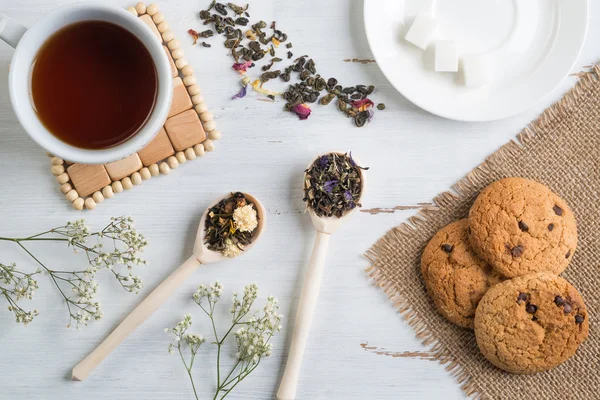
x: 446, y: 57
x: 422, y: 30
x: 477, y: 70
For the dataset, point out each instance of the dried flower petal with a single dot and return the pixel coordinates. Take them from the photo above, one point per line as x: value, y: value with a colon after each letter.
x: 323, y: 161
x: 195, y: 35
x: 329, y: 185
x: 241, y: 68
x: 275, y: 42
x: 256, y: 85
x: 362, y: 105
x: 302, y: 111
x: 240, y: 94
x: 348, y: 195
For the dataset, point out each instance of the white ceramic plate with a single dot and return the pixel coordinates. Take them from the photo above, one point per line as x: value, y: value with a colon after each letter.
x: 533, y: 45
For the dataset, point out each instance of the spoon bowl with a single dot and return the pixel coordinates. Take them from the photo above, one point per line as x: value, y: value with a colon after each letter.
x: 207, y: 256
x: 201, y: 255
x: 331, y: 224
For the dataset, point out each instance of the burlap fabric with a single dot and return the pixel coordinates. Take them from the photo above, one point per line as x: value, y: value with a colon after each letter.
x: 562, y: 150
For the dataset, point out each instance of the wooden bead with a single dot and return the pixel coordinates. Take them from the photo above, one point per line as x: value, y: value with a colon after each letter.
x: 172, y: 162
x: 186, y: 70
x: 107, y: 192
x: 177, y: 54
x: 72, y: 195
x: 117, y: 186
x: 189, y: 154
x: 182, y: 62
x: 189, y: 81
x: 65, y: 188
x: 98, y: 197
x: 151, y: 9
x: 56, y: 160
x: 206, y: 116
x: 210, y: 126
x: 136, y: 178
x: 132, y: 10
x: 199, y: 149
x: 90, y: 204
x: 194, y: 89
x: 154, y: 170
x: 164, y: 168
x: 168, y: 36
x: 208, y: 145
x: 140, y: 8
x: 57, y: 170
x: 197, y: 99
x: 126, y: 182
x: 163, y: 27
x: 174, y: 44
x: 214, y: 134
x: 145, y: 173
x: 78, y: 204
x: 158, y: 18
x: 201, y: 108
x: 62, y: 178
x: 180, y: 156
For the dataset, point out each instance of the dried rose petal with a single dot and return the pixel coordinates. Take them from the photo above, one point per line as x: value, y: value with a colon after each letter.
x: 194, y: 34
x: 362, y: 105
x: 302, y: 111
x: 242, y: 67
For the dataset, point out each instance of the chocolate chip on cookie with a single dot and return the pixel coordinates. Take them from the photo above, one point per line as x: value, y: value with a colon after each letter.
x: 523, y: 226
x: 558, y: 211
x: 519, y: 227
x: 447, y: 248
x: 456, y: 278
x: 534, y: 337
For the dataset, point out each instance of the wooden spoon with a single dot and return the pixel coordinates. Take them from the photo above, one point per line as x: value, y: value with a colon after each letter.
x: 310, y: 294
x: 202, y: 255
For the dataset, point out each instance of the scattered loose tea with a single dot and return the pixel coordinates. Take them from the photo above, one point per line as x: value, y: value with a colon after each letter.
x: 204, y: 44
x: 261, y: 41
x: 229, y: 225
x: 333, y: 185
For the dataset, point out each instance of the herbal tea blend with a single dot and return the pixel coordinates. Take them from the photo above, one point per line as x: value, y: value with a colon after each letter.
x: 230, y: 225
x: 333, y: 185
x: 250, y: 45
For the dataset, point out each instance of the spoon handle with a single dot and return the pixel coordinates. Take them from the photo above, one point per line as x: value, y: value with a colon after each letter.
x: 141, y: 313
x: 304, y: 317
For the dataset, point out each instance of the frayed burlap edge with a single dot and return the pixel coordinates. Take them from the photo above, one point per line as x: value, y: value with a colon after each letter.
x: 376, y: 254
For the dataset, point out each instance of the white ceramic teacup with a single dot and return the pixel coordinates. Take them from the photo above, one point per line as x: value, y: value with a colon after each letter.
x: 27, y: 42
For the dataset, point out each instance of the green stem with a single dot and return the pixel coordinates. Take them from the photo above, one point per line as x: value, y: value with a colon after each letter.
x: 240, y: 378
x: 33, y: 239
x: 189, y: 371
x: 51, y: 276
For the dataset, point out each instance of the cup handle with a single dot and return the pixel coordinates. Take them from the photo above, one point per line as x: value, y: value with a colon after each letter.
x: 11, y: 31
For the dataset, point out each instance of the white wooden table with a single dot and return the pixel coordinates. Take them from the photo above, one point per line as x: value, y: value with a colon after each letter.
x: 413, y: 156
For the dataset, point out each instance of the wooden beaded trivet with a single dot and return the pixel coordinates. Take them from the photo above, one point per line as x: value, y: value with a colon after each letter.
x: 188, y: 133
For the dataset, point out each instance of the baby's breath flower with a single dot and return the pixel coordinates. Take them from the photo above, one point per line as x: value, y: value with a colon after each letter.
x: 125, y: 243
x: 252, y: 333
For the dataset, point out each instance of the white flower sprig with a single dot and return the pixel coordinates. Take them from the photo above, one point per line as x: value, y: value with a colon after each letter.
x: 252, y: 336
x: 120, y: 236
